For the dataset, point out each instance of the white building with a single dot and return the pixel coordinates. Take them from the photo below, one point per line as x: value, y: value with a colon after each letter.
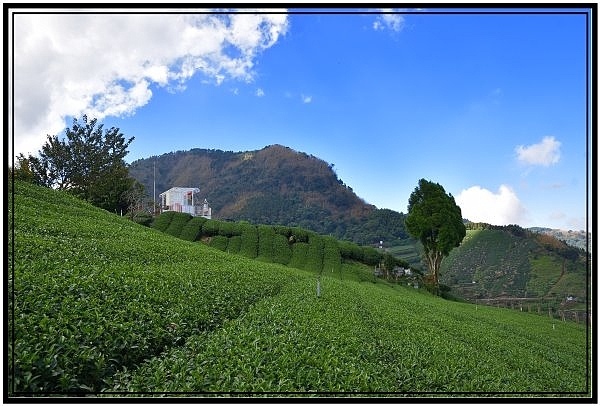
x: 184, y: 200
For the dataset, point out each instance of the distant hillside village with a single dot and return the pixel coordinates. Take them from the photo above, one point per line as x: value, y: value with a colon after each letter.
x: 185, y: 200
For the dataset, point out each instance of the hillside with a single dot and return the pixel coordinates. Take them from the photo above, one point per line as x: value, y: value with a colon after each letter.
x: 511, y: 262
x: 279, y: 186
x: 274, y: 185
x: 578, y: 239
x: 101, y: 305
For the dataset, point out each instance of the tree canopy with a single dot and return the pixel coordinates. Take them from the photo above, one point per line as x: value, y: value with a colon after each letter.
x: 87, y: 162
x: 436, y: 221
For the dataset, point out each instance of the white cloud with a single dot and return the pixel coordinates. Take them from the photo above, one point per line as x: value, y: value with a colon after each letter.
x: 481, y: 205
x: 389, y: 20
x: 306, y: 99
x: 544, y: 153
x: 106, y: 64
x: 260, y: 92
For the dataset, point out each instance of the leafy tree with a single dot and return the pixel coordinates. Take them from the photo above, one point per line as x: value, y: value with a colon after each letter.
x: 22, y: 170
x: 87, y: 161
x: 435, y: 220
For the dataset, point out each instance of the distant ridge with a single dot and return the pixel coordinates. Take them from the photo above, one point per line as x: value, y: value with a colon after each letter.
x: 574, y: 238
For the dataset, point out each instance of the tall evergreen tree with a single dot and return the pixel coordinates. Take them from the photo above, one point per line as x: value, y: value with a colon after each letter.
x: 435, y: 220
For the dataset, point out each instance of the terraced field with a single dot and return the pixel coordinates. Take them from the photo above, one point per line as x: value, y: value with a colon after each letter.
x: 99, y: 305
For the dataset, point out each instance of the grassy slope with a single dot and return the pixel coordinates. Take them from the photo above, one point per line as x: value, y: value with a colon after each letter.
x: 102, y: 303
x: 504, y: 265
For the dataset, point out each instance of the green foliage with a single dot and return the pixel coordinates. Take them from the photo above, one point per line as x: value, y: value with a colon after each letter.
x: 193, y: 229
x: 95, y: 293
x: 142, y: 217
x: 266, y: 235
x: 350, y: 251
x: 22, y: 170
x: 87, y: 162
x: 503, y: 264
x: 282, y: 251
x: 228, y: 229
x: 316, y: 246
x: 380, y: 225
x: 299, y: 255
x: 371, y: 256
x: 366, y: 338
x: 235, y: 244
x: 283, y: 230
x: 178, y: 222
x: 332, y: 259
x: 299, y: 234
x: 436, y: 221
x: 219, y: 242
x: 211, y: 228
x: 249, y: 246
x: 103, y: 304
x: 163, y: 220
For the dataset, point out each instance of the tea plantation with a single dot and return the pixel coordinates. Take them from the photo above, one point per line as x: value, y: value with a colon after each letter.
x: 102, y: 306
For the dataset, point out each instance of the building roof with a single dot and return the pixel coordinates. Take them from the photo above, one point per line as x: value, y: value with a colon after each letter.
x: 182, y: 190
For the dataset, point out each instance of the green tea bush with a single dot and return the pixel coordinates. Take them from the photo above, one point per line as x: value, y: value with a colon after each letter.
x: 142, y: 217
x: 162, y: 221
x: 266, y: 235
x: 228, y: 229
x: 371, y: 256
x: 314, y: 260
x: 299, y: 234
x: 193, y: 229
x: 178, y: 221
x: 219, y: 242
x: 235, y: 244
x: 350, y: 251
x: 283, y: 230
x: 282, y: 251
x: 360, y: 337
x: 332, y: 259
x: 249, y: 236
x: 299, y: 255
x: 210, y: 228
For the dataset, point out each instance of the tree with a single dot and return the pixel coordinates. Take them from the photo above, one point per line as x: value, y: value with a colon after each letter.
x: 87, y: 162
x: 435, y: 220
x: 22, y: 170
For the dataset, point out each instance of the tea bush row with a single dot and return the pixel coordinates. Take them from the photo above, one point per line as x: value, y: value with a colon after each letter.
x: 371, y: 338
x: 278, y: 244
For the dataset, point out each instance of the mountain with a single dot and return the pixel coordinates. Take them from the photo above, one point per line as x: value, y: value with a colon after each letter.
x: 509, y: 261
x: 274, y: 185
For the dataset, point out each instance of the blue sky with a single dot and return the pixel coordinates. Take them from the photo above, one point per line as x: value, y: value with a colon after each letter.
x: 491, y: 106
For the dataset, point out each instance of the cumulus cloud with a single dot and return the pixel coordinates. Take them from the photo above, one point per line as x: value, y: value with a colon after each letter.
x: 306, y: 99
x: 388, y: 20
x: 544, y: 153
x: 107, y: 64
x: 481, y: 205
x: 260, y: 92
